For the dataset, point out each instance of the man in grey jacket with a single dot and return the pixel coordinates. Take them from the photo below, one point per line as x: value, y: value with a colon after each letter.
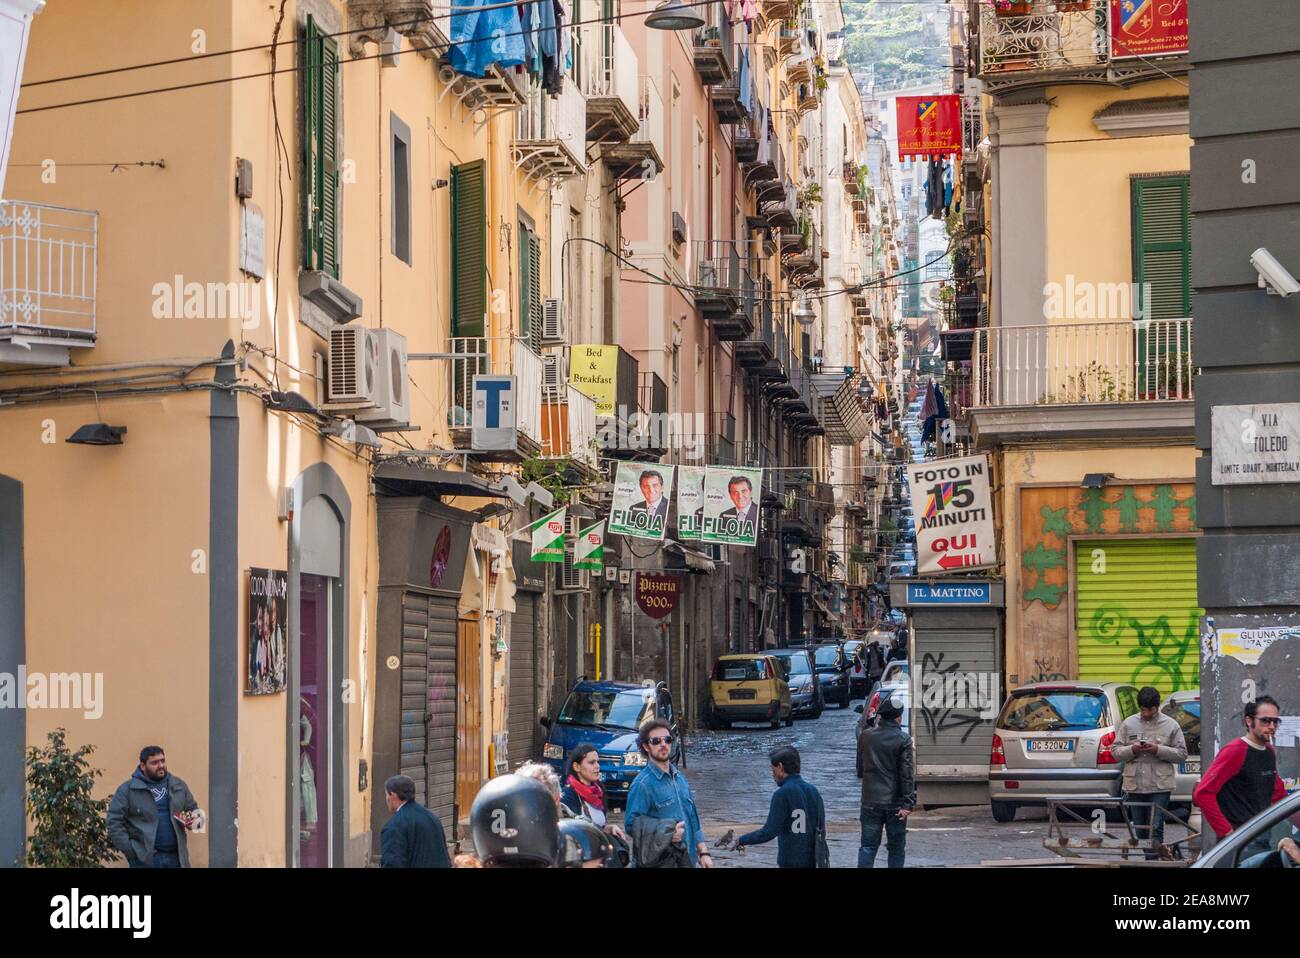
x: 1150, y: 745
x: 151, y: 814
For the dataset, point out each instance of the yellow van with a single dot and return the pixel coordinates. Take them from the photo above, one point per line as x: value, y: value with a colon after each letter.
x: 749, y: 687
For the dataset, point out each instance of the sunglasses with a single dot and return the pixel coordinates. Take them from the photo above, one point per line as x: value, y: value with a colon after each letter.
x: 661, y: 740
x: 1265, y: 720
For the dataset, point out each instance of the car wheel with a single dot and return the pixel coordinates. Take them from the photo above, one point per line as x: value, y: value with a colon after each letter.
x: 776, y: 722
x: 1002, y: 811
x: 817, y: 713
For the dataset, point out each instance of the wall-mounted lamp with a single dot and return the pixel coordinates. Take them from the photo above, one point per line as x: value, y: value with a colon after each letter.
x: 97, y: 434
x: 673, y: 15
x: 1096, y: 480
x: 290, y: 402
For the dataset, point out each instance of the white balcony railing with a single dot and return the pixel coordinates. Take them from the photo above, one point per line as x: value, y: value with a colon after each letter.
x: 526, y: 366
x: 569, y: 425
x: 552, y: 131
x: 1052, y: 37
x: 476, y: 356
x: 48, y: 272
x: 613, y: 67
x: 650, y: 111
x: 1142, y: 361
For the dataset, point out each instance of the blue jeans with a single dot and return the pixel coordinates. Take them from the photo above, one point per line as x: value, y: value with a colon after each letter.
x: 160, y: 860
x: 874, y: 818
x: 1152, y: 815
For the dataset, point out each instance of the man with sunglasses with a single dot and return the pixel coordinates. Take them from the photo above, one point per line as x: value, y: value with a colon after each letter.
x: 660, y: 791
x: 1242, y: 780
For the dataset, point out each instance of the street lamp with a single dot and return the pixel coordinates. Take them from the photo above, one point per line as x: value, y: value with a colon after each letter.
x: 674, y: 15
x: 803, y: 312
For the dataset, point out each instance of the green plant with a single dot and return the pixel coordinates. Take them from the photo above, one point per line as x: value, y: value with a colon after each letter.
x: 812, y: 193
x: 821, y: 82
x: 69, y: 830
x: 549, y: 474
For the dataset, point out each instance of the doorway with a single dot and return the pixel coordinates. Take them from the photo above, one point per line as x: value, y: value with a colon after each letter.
x: 313, y: 721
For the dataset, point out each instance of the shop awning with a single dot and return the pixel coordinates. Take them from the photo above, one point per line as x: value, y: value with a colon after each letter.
x: 404, y: 477
x: 695, y: 561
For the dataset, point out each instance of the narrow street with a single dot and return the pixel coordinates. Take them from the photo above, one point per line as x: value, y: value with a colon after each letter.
x: 731, y: 779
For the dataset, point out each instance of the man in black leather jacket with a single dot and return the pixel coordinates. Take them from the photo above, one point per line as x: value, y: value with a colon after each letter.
x: 888, y: 785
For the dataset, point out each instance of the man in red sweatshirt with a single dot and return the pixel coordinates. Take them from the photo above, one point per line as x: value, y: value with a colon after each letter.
x: 1243, y: 781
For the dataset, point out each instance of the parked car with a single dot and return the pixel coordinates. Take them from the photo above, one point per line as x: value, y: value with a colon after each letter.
x: 749, y: 687
x: 832, y: 672
x: 1055, y: 738
x: 896, y: 673
x: 1185, y: 709
x: 805, y: 691
x: 1271, y: 825
x: 607, y: 715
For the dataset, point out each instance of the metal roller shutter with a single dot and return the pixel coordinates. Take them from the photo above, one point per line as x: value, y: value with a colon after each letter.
x: 429, y: 701
x: 523, y: 722
x: 1136, y: 617
x: 953, y: 732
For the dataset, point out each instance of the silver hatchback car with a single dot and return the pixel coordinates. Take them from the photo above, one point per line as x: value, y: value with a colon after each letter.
x: 1054, y: 739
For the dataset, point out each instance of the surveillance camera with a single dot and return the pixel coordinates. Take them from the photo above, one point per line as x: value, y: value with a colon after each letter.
x: 1273, y: 276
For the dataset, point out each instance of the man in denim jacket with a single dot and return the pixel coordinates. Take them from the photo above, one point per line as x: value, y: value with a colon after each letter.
x: 660, y: 791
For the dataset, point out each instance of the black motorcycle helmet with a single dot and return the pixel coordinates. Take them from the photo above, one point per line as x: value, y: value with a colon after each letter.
x: 582, y: 841
x: 514, y: 822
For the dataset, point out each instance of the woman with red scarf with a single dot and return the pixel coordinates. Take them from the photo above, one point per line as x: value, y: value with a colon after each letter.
x: 582, y: 793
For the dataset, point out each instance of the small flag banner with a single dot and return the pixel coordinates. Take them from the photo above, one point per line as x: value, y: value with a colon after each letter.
x: 589, y: 550
x: 548, y: 537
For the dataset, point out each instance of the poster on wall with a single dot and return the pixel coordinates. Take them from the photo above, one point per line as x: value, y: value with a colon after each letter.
x: 641, y: 492
x: 690, y: 502
x: 954, y: 515
x: 731, y: 497
x: 1144, y: 28
x: 267, y: 595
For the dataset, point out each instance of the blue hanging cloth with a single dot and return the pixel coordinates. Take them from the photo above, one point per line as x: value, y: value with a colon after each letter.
x: 481, y: 38
x: 940, y: 413
x: 746, y: 91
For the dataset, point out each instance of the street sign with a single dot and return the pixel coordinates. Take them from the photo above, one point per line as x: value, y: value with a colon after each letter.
x: 936, y: 593
x: 493, y: 422
x: 953, y: 513
x: 1255, y: 445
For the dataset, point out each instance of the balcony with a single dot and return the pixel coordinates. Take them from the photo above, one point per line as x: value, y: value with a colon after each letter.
x: 48, y: 277
x: 719, y: 278
x: 641, y: 157
x: 789, y: 38
x: 1082, y: 380
x: 806, y: 98
x: 476, y: 356
x: 762, y: 169
x: 426, y: 23
x: 569, y: 428
x: 551, y: 135
x: 715, y: 48
x: 1058, y: 42
x: 781, y: 209
x: 652, y: 398
x: 612, y: 85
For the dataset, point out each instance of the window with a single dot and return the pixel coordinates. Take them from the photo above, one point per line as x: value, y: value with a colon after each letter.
x: 1056, y: 710
x: 320, y: 151
x: 468, y: 250
x: 401, y: 159
x: 1162, y: 245
x: 530, y: 286
x: 622, y: 709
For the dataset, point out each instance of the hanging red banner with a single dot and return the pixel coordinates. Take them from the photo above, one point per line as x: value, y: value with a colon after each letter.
x: 1144, y: 28
x: 929, y: 126
x: 657, y: 593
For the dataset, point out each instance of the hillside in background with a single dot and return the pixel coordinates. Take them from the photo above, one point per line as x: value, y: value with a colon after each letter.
x: 893, y: 42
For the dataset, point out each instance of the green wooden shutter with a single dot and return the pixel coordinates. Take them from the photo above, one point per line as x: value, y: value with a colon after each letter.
x: 1162, y: 244
x: 468, y: 248
x: 1136, y: 617
x: 535, y: 291
x: 320, y: 151
x: 525, y: 282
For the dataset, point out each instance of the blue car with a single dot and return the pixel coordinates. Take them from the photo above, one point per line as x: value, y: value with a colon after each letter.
x: 607, y: 715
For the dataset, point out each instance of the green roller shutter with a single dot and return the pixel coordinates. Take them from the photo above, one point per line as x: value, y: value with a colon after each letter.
x: 468, y: 248
x: 1136, y: 615
x: 321, y: 150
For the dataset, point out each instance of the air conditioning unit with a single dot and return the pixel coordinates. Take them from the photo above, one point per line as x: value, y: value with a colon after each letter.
x: 679, y: 228
x: 569, y: 579
x: 552, y: 321
x: 353, y: 381
x: 393, y: 397
x: 555, y: 372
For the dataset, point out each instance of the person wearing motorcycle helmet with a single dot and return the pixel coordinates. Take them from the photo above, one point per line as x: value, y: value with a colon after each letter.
x: 583, y: 844
x: 515, y: 824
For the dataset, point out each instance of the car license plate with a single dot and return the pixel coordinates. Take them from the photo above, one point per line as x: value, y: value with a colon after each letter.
x: 1191, y: 767
x: 1050, y: 745
x: 741, y: 693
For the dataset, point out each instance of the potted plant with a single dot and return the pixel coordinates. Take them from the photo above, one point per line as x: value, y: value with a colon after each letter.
x: 1012, y: 8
